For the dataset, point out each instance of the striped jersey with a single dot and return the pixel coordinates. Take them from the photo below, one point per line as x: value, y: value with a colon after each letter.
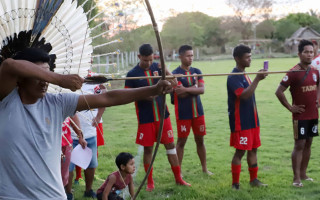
x: 243, y: 113
x: 147, y: 111
x: 189, y: 107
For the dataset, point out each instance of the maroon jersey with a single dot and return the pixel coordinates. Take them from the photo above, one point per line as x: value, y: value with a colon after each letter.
x: 303, y: 92
x: 118, y: 185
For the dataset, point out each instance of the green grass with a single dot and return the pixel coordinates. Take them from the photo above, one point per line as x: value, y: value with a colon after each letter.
x: 274, y: 156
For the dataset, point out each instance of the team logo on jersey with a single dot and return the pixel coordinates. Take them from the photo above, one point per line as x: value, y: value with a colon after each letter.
x: 97, y: 90
x: 315, y: 129
x: 140, y: 136
x: 183, y: 128
x: 155, y: 73
x: 285, y: 78
x: 170, y: 134
x: 314, y: 76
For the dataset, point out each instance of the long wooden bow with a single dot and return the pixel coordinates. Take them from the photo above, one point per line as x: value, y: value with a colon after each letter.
x: 163, y: 108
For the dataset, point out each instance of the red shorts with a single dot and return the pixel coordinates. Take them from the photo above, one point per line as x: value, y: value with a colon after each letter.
x: 147, y: 133
x: 100, y: 140
x: 198, y: 126
x: 246, y: 139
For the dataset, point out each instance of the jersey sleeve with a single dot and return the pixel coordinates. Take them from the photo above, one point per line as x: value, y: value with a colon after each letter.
x: 235, y: 85
x: 200, y: 78
x: 129, y: 83
x: 69, y: 103
x: 286, y: 80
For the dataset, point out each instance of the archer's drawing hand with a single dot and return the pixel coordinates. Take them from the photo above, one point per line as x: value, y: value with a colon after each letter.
x: 71, y: 81
x: 297, y: 109
x: 262, y: 76
x: 164, y: 87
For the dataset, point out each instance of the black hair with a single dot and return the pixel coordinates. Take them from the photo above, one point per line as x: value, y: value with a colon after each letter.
x: 240, y: 50
x: 302, y: 44
x: 145, y: 50
x: 184, y: 48
x: 122, y: 159
x: 35, y: 55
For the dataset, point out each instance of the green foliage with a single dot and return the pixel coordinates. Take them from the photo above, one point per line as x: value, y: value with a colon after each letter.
x: 285, y: 28
x: 303, y: 19
x: 187, y: 28
x: 266, y: 29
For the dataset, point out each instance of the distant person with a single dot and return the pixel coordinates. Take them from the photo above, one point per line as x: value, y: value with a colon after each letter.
x: 243, y: 117
x: 88, y: 120
x: 118, y: 180
x: 316, y: 59
x: 188, y: 107
x: 304, y: 87
x: 148, y: 114
x: 66, y: 148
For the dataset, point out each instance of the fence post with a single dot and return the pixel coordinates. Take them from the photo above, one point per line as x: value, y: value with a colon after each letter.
x: 122, y: 61
x: 98, y: 67
x: 107, y: 64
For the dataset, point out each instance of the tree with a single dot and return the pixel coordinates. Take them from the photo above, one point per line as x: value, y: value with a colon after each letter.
x: 248, y: 12
x: 285, y: 28
x: 266, y: 29
x: 186, y: 28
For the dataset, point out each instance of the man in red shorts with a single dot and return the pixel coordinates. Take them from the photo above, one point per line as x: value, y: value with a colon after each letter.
x: 243, y: 117
x: 304, y: 87
x: 188, y: 106
x: 148, y: 116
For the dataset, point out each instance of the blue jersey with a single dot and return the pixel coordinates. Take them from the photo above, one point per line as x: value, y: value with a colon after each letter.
x: 189, y: 107
x: 147, y: 111
x: 242, y: 113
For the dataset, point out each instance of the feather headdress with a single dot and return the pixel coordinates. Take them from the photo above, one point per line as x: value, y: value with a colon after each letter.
x: 60, y: 27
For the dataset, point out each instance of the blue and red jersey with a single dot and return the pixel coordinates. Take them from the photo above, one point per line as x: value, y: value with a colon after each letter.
x: 189, y: 107
x: 147, y: 111
x: 243, y: 113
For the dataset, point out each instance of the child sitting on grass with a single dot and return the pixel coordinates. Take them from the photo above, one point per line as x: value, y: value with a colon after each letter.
x: 118, y: 180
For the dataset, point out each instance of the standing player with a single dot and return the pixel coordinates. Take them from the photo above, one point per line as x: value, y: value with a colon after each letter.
x: 188, y: 106
x: 316, y: 59
x: 149, y: 117
x: 304, y: 87
x: 243, y: 117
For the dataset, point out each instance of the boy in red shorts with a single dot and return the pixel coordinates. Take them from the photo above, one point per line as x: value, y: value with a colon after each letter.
x: 304, y: 87
x: 243, y: 117
x: 188, y: 106
x: 149, y: 117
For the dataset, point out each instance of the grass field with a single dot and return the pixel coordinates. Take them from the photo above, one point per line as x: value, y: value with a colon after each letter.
x: 274, y: 156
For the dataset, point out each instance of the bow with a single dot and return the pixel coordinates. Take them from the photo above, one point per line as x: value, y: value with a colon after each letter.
x: 163, y: 106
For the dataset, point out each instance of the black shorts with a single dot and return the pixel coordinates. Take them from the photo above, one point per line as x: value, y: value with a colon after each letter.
x: 303, y: 129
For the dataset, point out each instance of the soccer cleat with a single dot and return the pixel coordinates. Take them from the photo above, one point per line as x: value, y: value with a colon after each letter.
x: 236, y: 186
x: 90, y: 193
x: 257, y: 183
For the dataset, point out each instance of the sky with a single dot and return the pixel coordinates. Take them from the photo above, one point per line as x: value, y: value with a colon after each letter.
x: 217, y: 8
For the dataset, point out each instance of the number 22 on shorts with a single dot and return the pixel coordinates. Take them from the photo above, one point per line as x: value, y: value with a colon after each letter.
x: 243, y: 140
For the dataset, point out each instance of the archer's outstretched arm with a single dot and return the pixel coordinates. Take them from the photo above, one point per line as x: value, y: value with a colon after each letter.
x: 122, y: 96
